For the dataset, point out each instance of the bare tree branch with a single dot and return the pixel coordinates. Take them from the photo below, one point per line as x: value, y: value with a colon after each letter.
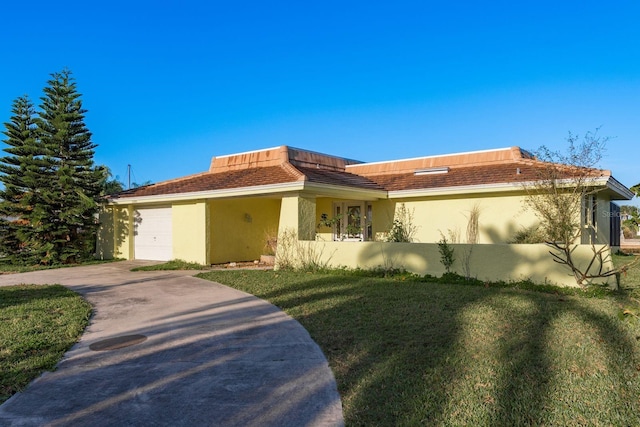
x: 560, y: 196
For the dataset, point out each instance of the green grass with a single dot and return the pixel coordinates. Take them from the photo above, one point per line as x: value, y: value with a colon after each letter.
x: 630, y: 280
x: 414, y: 353
x: 37, y: 325
x: 176, y: 264
x: 8, y: 268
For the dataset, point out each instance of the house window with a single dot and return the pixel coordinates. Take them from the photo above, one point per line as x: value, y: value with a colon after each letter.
x: 353, y: 221
x: 614, y: 224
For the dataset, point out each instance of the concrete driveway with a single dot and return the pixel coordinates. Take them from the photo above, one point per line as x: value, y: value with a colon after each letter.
x: 167, y: 349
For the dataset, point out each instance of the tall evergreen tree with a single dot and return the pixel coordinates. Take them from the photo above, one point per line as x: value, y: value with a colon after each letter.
x: 21, y: 175
x: 66, y: 217
x: 51, y: 186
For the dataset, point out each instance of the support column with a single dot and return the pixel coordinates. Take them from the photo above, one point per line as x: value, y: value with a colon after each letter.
x: 298, y: 214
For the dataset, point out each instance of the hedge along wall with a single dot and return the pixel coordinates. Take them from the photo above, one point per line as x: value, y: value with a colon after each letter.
x: 494, y: 262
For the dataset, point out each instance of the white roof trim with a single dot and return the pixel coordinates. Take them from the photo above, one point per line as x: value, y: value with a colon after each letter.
x: 371, y: 194
x: 344, y: 191
x: 247, y: 152
x: 212, y: 194
x: 485, y: 188
x: 615, y: 185
x: 296, y: 186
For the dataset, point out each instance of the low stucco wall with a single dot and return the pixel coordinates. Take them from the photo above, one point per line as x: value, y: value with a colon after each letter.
x: 487, y: 262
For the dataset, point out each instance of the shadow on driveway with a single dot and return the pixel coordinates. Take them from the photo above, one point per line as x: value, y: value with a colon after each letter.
x: 213, y: 356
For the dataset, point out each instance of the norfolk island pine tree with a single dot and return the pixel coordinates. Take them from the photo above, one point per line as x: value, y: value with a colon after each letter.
x: 59, y: 224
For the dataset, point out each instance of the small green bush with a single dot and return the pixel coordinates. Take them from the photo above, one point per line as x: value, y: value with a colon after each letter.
x: 446, y: 254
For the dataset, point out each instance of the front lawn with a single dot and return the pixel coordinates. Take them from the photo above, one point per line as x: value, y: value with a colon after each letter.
x: 37, y: 325
x: 176, y: 264
x: 7, y: 267
x: 629, y: 280
x: 410, y: 353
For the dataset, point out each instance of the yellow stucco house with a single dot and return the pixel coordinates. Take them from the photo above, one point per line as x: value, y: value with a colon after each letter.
x: 226, y: 213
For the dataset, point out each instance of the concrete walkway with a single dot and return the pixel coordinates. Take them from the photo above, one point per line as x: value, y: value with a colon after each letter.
x: 213, y: 356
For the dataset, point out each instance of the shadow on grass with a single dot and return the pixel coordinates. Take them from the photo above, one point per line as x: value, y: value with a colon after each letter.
x: 428, y: 354
x: 25, y: 294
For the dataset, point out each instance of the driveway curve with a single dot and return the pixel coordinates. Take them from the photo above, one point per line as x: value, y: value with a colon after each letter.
x: 168, y: 349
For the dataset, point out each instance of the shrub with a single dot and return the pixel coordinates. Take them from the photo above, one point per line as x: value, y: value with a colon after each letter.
x: 529, y: 235
x: 446, y: 254
x: 403, y: 229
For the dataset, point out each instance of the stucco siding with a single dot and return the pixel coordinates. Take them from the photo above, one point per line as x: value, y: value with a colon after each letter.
x: 298, y: 214
x: 190, y: 232
x: 324, y: 205
x: 239, y: 226
x: 501, y: 217
x: 486, y: 262
x: 114, y: 235
x: 105, y: 243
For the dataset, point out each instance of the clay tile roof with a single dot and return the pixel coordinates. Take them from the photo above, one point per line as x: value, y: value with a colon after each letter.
x: 503, y: 173
x: 331, y: 177
x: 217, y: 181
x: 287, y: 165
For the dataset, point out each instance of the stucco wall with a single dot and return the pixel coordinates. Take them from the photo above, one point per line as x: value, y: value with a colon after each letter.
x: 238, y: 227
x: 298, y: 214
x: 190, y: 223
x: 324, y: 205
x: 487, y: 262
x: 501, y: 217
x: 105, y: 244
x: 114, y: 236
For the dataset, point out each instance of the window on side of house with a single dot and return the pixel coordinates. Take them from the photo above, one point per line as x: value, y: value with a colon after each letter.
x: 353, y: 222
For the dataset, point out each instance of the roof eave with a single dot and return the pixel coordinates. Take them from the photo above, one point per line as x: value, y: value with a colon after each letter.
x: 328, y: 190
x: 607, y: 182
x: 257, y: 190
x: 457, y: 190
x: 344, y: 192
x: 619, y: 189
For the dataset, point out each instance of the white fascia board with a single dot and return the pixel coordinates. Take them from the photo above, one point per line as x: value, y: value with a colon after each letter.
x: 212, y: 194
x: 606, y: 182
x: 620, y: 189
x: 487, y: 188
x: 298, y: 186
x: 224, y: 156
x: 344, y: 192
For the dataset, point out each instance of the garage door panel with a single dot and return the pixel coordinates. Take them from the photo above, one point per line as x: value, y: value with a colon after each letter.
x: 153, y: 234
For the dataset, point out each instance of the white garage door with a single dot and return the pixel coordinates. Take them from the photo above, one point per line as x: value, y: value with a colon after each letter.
x: 153, y: 234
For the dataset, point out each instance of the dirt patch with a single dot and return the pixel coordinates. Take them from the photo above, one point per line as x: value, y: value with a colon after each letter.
x: 242, y: 265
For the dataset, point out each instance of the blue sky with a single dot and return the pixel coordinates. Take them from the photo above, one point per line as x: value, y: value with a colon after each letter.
x: 170, y: 84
